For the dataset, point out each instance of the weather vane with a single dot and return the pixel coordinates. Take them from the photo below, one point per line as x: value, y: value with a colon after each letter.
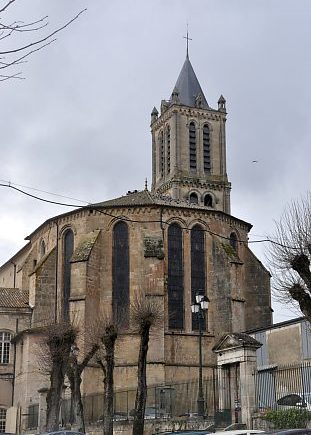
x: 188, y: 39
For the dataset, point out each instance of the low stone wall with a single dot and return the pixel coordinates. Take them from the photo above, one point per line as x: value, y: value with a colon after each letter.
x: 158, y: 426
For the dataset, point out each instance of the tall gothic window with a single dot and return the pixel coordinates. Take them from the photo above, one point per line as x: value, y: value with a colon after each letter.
x: 198, y: 283
x: 5, y: 345
x: 168, y: 149
x: 67, y: 254
x: 175, y: 278
x: 192, y: 146
x: 206, y: 149
x: 161, y: 153
x: 120, y: 273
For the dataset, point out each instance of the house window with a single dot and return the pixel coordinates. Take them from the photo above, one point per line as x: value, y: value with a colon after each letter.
x: 192, y: 146
x: 193, y: 198
x: 234, y: 241
x: 175, y: 278
x: 2, y: 419
x: 168, y: 149
x: 208, y: 200
x: 67, y: 254
x: 120, y: 273
x: 206, y: 149
x: 33, y: 416
x: 5, y: 345
x: 197, y: 270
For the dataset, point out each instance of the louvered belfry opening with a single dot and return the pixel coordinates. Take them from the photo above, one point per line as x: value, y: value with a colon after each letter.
x: 175, y: 278
x: 206, y: 149
x: 192, y: 147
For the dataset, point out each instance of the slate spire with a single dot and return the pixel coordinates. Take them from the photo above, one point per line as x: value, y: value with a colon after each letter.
x: 188, y: 88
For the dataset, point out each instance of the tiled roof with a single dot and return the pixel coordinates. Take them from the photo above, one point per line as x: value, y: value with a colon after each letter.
x: 144, y: 197
x: 13, y: 298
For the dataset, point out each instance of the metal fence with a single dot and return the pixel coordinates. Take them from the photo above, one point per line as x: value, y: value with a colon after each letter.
x: 163, y: 401
x: 283, y: 387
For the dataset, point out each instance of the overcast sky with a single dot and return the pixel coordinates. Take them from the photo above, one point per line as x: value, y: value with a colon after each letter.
x: 79, y: 124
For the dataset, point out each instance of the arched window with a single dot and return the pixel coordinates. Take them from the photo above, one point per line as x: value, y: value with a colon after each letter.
x: 175, y: 278
x: 234, y: 241
x: 5, y: 345
x: 206, y: 149
x: 68, y: 251
x: 120, y: 273
x: 192, y: 146
x: 208, y: 200
x: 168, y: 149
x: 2, y: 419
x: 193, y: 198
x: 42, y: 249
x: 198, y: 283
x: 161, y: 153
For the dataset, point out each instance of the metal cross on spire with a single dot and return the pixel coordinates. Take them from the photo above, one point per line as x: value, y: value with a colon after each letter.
x: 188, y: 39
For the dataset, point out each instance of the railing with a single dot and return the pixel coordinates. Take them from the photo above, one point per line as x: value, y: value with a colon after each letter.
x: 283, y: 387
x: 163, y: 401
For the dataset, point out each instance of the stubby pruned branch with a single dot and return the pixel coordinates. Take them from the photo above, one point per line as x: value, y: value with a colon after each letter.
x: 290, y: 256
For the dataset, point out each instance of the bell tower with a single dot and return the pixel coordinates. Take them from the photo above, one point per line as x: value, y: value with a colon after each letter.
x: 189, y: 146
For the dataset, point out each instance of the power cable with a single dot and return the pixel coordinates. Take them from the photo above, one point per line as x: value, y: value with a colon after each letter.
x: 96, y: 208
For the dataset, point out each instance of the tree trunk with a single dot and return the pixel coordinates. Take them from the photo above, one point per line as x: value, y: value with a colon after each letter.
x: 76, y: 404
x: 141, y: 394
x: 54, y: 396
x: 109, y: 343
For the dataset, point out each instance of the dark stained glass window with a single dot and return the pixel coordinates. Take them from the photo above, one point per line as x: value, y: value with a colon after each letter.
x: 120, y: 273
x: 192, y: 146
x: 206, y: 149
x: 175, y: 278
x: 197, y: 270
x: 68, y: 251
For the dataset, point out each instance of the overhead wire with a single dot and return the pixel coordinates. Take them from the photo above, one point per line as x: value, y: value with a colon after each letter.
x: 96, y: 208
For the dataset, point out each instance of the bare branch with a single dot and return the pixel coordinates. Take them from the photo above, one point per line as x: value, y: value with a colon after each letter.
x: 7, y: 5
x: 40, y: 41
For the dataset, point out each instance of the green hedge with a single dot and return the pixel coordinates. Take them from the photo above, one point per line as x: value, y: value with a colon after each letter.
x: 288, y: 418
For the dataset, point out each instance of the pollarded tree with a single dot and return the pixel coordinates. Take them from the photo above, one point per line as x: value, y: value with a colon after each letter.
x: 26, y: 38
x: 146, y: 313
x: 290, y: 255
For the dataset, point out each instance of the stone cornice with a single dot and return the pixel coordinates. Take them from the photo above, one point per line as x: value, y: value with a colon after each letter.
x: 208, y: 114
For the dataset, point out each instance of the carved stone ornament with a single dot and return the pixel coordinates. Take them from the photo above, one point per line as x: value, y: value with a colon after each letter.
x: 153, y: 247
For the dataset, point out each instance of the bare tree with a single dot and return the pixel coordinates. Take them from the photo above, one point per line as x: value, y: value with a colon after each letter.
x: 74, y: 373
x: 36, y: 39
x: 59, y: 339
x: 106, y: 360
x: 146, y: 313
x: 290, y: 253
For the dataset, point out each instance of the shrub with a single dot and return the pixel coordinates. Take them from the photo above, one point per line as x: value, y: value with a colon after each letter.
x: 288, y: 418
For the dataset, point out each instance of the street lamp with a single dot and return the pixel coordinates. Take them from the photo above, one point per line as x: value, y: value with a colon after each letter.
x: 199, y: 307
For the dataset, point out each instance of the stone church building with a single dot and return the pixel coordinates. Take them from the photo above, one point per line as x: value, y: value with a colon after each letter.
x: 170, y: 243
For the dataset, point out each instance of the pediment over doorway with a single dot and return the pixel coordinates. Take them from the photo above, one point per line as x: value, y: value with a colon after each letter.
x: 236, y: 340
